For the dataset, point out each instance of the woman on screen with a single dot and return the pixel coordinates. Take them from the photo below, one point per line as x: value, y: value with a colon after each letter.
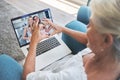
x: 28, y: 30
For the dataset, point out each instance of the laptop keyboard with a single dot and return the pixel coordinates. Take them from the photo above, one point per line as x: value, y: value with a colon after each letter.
x: 47, y: 45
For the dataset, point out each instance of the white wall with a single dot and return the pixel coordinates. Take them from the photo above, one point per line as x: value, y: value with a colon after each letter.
x: 79, y: 2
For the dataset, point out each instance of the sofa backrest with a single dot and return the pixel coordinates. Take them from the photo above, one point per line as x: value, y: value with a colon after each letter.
x: 84, y: 14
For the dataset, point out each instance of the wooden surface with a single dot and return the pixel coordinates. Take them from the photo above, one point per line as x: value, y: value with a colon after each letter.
x: 62, y: 11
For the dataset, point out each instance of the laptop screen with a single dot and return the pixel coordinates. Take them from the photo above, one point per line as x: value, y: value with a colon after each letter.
x: 22, y: 25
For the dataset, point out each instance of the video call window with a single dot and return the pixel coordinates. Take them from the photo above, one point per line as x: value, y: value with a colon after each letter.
x: 22, y: 28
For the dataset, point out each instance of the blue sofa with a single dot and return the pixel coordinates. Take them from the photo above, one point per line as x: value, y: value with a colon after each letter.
x: 9, y: 68
x: 79, y: 24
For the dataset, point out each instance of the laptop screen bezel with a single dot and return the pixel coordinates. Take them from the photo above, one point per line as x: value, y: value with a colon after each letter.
x: 19, y: 17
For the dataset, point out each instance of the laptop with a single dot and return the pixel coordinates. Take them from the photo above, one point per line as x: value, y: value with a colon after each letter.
x: 48, y: 50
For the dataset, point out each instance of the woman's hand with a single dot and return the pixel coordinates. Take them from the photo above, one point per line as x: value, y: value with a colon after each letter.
x: 57, y: 29
x: 36, y: 34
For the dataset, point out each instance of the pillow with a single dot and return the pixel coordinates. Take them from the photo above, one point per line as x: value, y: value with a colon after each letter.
x: 9, y: 68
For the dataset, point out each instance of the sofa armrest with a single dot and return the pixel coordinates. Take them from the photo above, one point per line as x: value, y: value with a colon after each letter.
x: 9, y: 68
x: 84, y: 14
x: 73, y: 44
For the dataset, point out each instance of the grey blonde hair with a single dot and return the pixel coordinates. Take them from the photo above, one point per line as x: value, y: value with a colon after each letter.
x: 106, y: 18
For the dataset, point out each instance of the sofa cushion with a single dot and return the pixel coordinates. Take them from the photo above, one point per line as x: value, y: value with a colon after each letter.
x: 9, y: 68
x: 73, y: 44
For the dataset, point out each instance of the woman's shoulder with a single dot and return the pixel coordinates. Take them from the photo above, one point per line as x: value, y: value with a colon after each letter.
x: 87, y: 57
x: 26, y: 28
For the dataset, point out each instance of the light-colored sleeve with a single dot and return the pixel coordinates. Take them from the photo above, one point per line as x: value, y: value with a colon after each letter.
x: 72, y: 73
x: 85, y: 51
x: 73, y: 69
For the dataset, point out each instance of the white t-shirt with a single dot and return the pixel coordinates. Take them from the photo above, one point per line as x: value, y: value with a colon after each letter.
x: 68, y: 69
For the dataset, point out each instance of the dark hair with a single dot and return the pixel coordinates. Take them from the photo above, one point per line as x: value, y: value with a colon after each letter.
x: 34, y: 17
x: 37, y: 17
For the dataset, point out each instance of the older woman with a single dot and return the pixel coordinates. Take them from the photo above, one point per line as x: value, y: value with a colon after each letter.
x: 104, y: 41
x: 102, y: 37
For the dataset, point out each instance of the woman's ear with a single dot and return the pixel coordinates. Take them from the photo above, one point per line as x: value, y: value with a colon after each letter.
x: 108, y: 39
